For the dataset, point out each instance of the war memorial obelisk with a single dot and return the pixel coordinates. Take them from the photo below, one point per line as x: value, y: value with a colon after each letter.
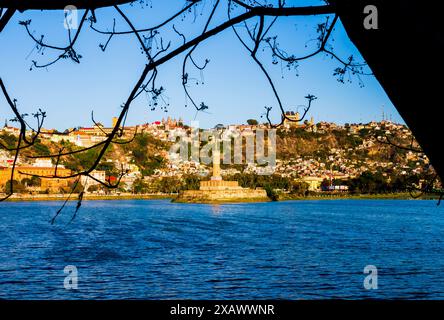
x: 218, y: 190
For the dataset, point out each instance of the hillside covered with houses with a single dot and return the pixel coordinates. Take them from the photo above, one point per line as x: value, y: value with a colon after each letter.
x: 376, y: 157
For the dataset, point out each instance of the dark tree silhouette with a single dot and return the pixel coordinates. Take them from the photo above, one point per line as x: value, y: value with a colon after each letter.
x: 405, y: 54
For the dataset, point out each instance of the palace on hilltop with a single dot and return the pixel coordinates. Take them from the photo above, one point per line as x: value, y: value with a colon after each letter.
x: 293, y: 120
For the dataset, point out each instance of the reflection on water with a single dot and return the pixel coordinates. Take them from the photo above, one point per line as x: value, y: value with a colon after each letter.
x: 163, y: 250
x: 216, y: 209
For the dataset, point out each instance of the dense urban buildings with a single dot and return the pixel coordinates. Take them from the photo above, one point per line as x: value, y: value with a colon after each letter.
x: 322, y: 156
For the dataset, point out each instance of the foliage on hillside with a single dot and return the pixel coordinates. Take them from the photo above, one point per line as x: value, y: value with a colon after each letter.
x: 145, y: 151
x: 376, y: 183
x: 167, y: 184
x: 298, y: 142
x: 273, y: 184
x: 148, y: 153
x: 39, y: 147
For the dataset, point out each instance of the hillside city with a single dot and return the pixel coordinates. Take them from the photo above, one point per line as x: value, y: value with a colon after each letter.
x: 311, y: 158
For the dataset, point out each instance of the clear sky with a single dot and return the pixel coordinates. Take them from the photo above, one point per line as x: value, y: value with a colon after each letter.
x: 233, y: 86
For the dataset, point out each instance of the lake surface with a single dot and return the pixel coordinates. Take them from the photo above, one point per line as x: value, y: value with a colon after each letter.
x: 154, y: 249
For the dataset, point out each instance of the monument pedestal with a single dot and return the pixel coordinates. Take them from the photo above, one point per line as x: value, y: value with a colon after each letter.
x: 218, y: 194
x: 219, y: 185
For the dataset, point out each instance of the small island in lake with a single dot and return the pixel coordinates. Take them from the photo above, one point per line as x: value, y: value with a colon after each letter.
x: 218, y: 190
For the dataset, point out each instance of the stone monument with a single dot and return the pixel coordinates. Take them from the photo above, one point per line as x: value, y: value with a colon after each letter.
x: 218, y: 190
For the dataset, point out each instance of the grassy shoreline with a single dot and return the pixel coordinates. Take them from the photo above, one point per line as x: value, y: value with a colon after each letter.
x: 282, y: 197
x: 74, y: 197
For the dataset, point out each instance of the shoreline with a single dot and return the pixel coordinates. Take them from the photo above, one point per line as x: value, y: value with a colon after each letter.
x: 379, y: 196
x: 74, y: 197
x: 172, y: 197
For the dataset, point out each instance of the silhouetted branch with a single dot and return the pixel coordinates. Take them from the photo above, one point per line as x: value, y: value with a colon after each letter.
x: 23, y: 5
x: 165, y: 22
x: 4, y: 18
x: 68, y: 51
x: 388, y: 141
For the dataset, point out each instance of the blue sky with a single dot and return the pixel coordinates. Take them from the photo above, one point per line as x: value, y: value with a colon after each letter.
x: 233, y: 86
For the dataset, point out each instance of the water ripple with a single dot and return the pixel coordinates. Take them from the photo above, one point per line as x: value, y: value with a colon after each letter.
x: 284, y: 250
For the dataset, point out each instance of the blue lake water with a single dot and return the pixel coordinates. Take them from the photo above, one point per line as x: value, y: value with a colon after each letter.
x: 278, y: 250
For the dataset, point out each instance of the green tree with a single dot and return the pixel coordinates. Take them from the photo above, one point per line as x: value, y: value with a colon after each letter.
x: 18, y: 187
x: 93, y: 188
x: 140, y: 186
x: 191, y: 182
x: 33, y: 181
x: 298, y: 187
x: 8, y: 140
x: 252, y: 122
x: 271, y: 193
